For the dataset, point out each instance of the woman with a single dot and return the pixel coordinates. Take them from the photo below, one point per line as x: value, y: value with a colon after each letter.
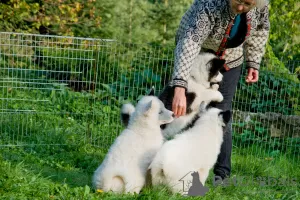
x: 232, y: 29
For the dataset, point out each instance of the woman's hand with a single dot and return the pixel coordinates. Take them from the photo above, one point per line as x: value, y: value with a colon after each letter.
x: 252, y: 76
x: 179, y: 102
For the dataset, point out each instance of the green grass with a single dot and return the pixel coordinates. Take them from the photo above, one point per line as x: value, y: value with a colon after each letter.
x: 64, y: 172
x: 79, y: 122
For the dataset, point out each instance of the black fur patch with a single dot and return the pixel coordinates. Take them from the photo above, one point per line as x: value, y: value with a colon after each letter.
x: 226, y: 116
x: 167, y: 96
x: 163, y: 126
x: 190, y: 97
x: 125, y: 119
x: 211, y: 104
x: 191, y: 123
x: 216, y: 66
x: 151, y: 93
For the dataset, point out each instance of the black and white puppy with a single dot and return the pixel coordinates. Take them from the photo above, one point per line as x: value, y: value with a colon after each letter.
x: 202, y: 86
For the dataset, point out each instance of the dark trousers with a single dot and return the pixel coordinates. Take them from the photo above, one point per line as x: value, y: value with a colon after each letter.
x: 227, y: 87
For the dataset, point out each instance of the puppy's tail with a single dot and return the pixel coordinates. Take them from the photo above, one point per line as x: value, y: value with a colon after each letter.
x: 108, y: 183
x: 126, y: 111
x: 117, y: 184
x: 157, y: 176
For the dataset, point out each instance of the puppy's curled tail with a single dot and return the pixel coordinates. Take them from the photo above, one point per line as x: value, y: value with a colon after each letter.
x: 157, y: 176
x: 108, y: 183
x: 116, y: 184
x: 126, y: 111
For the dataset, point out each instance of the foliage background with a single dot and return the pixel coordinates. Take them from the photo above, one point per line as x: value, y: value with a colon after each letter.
x: 77, y: 114
x: 143, y: 33
x: 137, y: 21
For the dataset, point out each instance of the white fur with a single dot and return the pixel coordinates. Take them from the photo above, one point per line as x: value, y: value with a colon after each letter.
x: 127, y: 109
x: 125, y: 165
x: 196, y: 149
x: 200, y: 85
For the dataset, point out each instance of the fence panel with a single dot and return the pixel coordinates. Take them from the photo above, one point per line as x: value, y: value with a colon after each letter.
x: 67, y: 91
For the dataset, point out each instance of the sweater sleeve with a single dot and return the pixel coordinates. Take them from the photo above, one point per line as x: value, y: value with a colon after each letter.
x: 256, y: 43
x: 194, y: 28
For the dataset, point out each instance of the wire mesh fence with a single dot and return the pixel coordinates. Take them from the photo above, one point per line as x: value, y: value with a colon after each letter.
x: 68, y: 91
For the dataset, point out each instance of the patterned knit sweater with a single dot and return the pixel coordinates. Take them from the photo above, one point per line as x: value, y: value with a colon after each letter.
x: 205, y: 26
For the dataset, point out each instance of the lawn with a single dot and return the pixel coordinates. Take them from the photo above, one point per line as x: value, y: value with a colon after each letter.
x: 64, y: 172
x: 80, y: 129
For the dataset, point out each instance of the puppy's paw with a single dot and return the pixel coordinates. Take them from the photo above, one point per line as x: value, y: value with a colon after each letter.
x: 219, y: 97
x: 215, y: 86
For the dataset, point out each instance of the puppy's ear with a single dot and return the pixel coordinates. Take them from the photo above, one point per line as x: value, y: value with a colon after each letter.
x: 226, y: 115
x: 148, y: 108
x: 151, y: 93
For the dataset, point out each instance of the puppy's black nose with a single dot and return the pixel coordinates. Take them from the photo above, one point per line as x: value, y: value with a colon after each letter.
x: 173, y: 115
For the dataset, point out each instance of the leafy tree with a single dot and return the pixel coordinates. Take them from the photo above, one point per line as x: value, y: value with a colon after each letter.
x: 164, y: 17
x: 285, y: 28
x: 51, y: 16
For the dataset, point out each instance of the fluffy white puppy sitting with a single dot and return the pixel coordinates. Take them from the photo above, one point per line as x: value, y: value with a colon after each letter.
x: 125, y: 166
x: 196, y: 149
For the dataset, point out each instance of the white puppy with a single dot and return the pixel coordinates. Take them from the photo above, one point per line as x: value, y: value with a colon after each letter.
x: 125, y: 165
x: 196, y: 149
